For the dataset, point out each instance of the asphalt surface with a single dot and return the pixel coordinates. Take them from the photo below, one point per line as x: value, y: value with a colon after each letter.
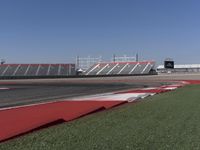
x: 22, y: 92
x: 29, y: 93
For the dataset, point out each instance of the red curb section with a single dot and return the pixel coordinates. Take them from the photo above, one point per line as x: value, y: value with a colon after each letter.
x: 192, y: 81
x: 20, y: 120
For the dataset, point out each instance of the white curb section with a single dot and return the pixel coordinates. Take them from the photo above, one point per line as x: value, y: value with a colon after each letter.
x: 4, y: 88
x: 128, y: 96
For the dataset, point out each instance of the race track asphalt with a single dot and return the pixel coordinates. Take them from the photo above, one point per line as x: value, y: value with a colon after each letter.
x: 22, y: 92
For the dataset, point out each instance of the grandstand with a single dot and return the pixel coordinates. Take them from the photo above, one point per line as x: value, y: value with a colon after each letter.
x: 89, y: 66
x: 36, y: 70
x: 120, y: 68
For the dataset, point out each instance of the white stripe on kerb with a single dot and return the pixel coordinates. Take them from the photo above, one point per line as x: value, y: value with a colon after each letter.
x: 4, y: 88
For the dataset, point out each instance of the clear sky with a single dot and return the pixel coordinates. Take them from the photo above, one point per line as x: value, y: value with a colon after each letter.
x: 50, y: 31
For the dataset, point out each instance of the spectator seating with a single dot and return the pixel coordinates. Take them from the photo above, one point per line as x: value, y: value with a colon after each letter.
x: 121, y: 68
x: 10, y: 70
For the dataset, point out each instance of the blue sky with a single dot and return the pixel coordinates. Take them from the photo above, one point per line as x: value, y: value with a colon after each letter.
x: 54, y: 31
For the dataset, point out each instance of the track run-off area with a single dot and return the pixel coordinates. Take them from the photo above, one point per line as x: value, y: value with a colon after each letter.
x: 32, y: 104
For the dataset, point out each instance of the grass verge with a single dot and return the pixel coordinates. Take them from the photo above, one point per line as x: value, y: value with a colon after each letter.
x: 166, y: 121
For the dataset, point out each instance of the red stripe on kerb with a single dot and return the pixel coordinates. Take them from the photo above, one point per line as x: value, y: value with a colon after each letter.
x: 192, y: 81
x: 16, y: 121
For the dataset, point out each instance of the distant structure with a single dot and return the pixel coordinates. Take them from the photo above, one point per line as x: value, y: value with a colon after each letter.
x: 181, y: 68
x: 169, y: 63
x: 3, y: 61
x: 125, y: 58
x: 84, y: 63
x: 170, y: 67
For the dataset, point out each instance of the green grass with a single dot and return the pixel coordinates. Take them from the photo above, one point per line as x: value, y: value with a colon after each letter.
x: 166, y: 121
